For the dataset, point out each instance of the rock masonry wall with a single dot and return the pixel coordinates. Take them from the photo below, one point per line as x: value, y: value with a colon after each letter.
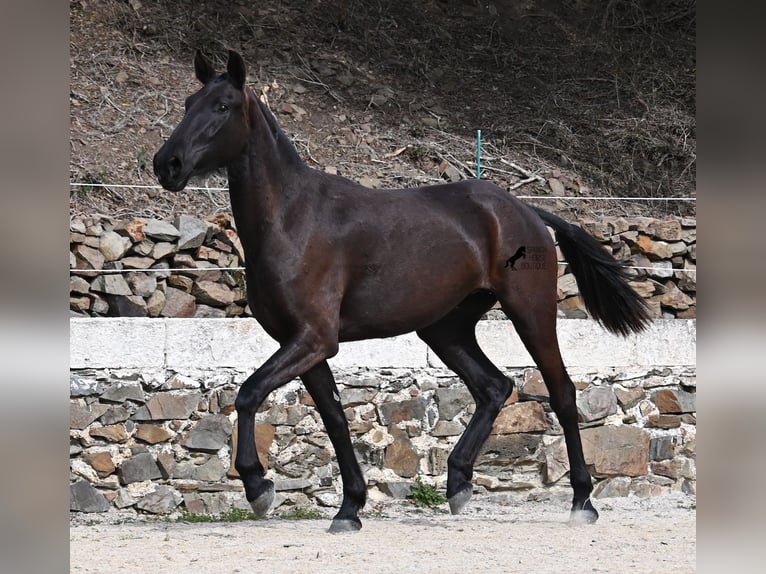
x: 160, y: 439
x: 153, y: 268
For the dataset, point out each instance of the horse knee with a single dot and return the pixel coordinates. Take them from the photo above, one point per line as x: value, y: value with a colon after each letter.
x: 244, y: 403
x: 320, y: 344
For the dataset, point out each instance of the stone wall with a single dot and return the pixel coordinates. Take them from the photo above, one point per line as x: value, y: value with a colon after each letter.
x: 153, y: 426
x: 170, y: 269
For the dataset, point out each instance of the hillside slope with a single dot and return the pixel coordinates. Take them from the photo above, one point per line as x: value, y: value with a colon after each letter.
x: 593, y: 99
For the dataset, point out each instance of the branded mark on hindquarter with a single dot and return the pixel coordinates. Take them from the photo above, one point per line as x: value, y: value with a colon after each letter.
x: 531, y: 256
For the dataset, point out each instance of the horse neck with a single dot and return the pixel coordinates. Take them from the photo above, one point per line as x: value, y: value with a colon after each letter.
x: 281, y: 142
x: 260, y: 180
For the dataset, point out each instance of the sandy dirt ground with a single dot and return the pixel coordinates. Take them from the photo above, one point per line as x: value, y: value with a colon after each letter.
x: 633, y: 535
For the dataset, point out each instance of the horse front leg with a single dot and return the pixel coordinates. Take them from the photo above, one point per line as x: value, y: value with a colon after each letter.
x: 290, y: 361
x: 321, y: 386
x: 259, y: 491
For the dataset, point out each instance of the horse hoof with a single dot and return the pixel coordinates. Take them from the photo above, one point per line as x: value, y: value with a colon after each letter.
x: 261, y: 503
x: 458, y: 501
x: 586, y: 514
x: 345, y: 525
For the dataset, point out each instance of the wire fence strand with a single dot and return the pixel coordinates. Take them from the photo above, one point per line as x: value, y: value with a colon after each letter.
x: 547, y: 197
x: 75, y: 271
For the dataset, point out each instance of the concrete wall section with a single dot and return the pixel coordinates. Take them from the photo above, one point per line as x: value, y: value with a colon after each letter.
x: 116, y: 343
x: 242, y: 343
x: 203, y: 343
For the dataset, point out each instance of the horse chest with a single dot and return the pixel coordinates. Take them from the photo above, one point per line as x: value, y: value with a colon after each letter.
x: 275, y: 303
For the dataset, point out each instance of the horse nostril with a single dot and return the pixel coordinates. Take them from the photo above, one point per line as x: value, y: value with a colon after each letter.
x: 166, y: 166
x: 174, y: 165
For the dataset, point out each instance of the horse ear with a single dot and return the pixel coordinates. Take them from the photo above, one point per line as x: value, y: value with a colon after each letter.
x: 236, y: 69
x: 203, y: 69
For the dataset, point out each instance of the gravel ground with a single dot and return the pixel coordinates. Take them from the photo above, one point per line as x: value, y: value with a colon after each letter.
x: 633, y: 535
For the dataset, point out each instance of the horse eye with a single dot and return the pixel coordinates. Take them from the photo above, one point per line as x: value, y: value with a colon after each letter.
x: 223, y: 108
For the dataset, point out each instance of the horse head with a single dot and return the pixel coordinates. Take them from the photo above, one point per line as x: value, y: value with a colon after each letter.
x: 215, y: 127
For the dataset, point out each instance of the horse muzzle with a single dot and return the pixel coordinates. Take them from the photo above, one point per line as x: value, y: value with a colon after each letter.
x: 170, y: 170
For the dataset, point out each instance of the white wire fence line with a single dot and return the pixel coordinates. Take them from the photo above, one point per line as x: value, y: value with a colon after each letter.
x: 550, y: 197
x: 75, y: 271
x: 140, y: 186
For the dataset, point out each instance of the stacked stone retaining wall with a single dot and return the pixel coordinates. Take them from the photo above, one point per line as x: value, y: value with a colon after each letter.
x: 153, y: 425
x: 153, y: 268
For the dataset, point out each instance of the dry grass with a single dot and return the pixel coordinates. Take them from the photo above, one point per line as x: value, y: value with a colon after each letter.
x: 600, y: 97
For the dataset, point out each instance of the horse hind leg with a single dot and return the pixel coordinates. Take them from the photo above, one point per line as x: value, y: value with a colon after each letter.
x: 535, y: 321
x: 320, y: 384
x: 453, y: 340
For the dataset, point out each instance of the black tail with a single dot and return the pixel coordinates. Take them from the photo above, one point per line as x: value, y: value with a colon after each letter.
x: 602, y: 281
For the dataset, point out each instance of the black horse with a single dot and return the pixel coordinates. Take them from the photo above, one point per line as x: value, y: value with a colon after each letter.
x: 328, y: 260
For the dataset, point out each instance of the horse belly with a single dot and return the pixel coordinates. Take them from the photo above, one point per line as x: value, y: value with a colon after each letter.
x: 413, y: 296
